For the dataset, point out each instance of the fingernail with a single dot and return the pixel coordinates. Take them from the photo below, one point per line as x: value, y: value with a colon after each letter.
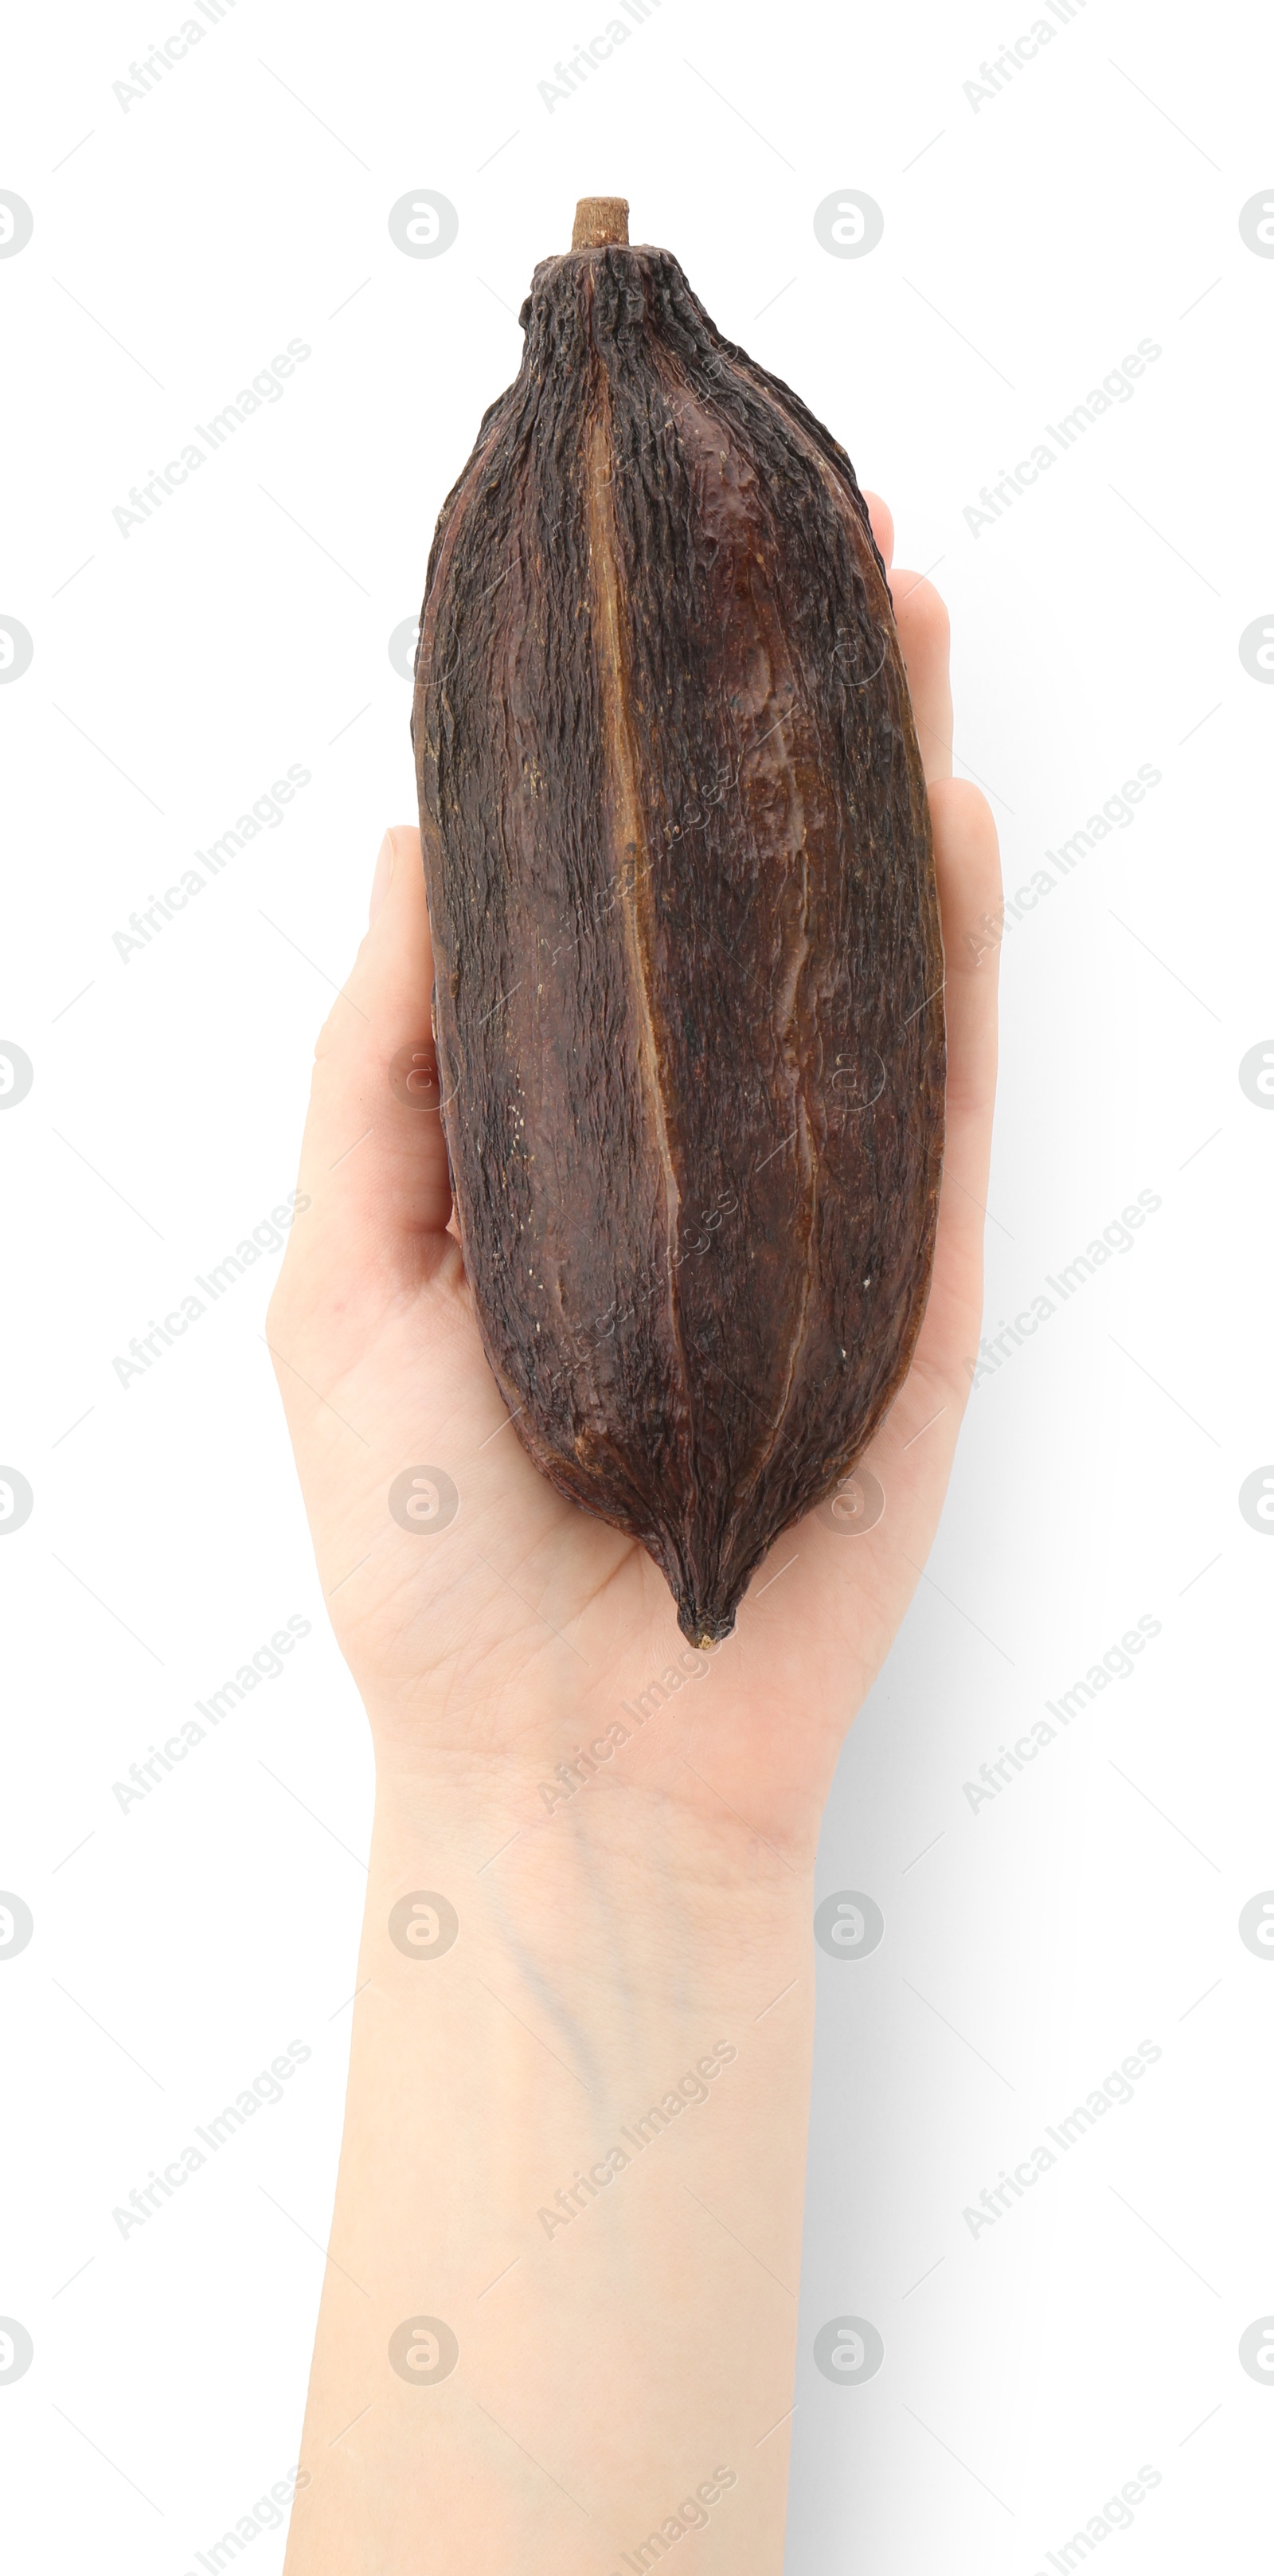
x: 380, y: 882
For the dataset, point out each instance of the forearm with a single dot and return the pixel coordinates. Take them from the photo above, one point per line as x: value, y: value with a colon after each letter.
x: 535, y: 2155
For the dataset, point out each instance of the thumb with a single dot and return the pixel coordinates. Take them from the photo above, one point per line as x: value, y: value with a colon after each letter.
x: 373, y: 1155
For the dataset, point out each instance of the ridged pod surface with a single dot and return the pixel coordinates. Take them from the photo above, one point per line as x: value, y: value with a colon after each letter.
x: 688, y: 996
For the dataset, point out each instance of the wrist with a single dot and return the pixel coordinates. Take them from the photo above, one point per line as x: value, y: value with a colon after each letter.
x: 690, y: 1776
x: 563, y: 1815
x: 622, y: 1879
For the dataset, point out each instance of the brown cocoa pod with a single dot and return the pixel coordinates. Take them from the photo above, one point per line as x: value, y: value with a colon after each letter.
x: 689, y: 966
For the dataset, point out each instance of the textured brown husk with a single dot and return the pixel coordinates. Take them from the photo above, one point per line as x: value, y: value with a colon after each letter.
x: 689, y: 968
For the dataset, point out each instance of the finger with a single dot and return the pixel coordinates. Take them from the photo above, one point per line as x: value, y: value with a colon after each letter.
x: 924, y: 632
x: 966, y: 851
x: 373, y: 1156
x: 882, y: 526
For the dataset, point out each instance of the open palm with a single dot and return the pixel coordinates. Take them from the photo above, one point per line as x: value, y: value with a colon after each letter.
x: 515, y: 1632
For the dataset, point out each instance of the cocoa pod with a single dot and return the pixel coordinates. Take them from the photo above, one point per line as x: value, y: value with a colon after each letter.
x: 689, y: 968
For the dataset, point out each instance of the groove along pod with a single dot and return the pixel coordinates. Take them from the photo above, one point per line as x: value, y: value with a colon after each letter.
x: 688, y: 997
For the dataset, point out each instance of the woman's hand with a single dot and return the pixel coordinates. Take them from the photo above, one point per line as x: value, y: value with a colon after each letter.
x: 559, y: 2316
x: 523, y: 1623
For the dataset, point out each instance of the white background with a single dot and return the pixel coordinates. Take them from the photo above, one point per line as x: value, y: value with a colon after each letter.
x: 1030, y: 240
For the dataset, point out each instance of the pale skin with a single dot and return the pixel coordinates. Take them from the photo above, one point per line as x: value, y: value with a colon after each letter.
x: 618, y: 2352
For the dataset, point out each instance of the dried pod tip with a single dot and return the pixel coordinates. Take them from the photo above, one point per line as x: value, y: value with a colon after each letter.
x: 599, y: 221
x: 700, y: 1630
